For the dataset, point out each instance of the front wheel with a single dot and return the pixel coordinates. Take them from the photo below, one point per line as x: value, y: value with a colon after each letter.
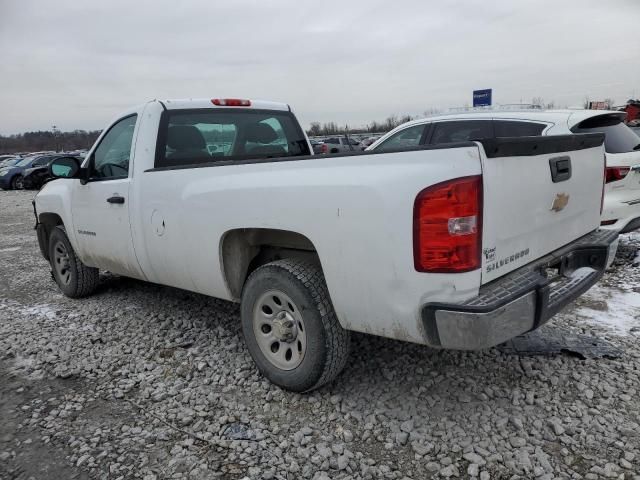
x: 17, y: 183
x: 73, y: 277
x: 290, y: 327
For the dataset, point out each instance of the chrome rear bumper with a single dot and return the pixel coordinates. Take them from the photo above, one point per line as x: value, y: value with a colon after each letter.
x: 524, y: 299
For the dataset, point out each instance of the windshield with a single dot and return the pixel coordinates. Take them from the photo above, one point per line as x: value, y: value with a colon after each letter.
x: 11, y: 162
x: 618, y: 137
x: 24, y: 162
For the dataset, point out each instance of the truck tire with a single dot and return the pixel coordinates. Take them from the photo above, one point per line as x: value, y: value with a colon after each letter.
x: 73, y: 277
x: 290, y: 327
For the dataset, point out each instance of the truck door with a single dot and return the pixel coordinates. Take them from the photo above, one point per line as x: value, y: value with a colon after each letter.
x: 100, y: 208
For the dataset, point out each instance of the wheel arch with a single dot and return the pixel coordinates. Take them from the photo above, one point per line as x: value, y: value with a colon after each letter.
x: 242, y: 250
x: 46, y: 223
x: 14, y: 179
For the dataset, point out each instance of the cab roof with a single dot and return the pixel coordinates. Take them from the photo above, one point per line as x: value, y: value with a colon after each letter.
x: 186, y: 103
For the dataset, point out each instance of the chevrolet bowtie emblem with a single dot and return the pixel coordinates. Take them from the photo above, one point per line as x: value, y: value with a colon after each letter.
x: 560, y: 202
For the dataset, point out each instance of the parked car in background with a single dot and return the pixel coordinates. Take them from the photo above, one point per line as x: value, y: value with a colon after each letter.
x: 11, y: 177
x: 8, y: 162
x: 77, y: 153
x: 340, y: 144
x: 318, y: 146
x: 37, y: 175
x: 365, y: 142
x: 621, y: 208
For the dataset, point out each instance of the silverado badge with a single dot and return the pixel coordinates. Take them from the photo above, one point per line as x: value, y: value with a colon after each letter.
x: 560, y: 202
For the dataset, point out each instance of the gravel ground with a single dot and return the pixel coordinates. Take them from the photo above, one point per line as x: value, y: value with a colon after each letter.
x: 143, y: 381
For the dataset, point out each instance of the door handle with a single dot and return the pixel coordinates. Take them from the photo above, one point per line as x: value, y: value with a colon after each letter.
x: 116, y: 199
x: 560, y: 169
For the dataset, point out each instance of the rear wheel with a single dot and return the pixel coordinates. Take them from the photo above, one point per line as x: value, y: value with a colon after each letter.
x: 290, y: 327
x: 17, y: 182
x: 73, y: 277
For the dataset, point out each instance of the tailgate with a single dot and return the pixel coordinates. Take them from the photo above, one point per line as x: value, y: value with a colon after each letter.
x: 540, y: 193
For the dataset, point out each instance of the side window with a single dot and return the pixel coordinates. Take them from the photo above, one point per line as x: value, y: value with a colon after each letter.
x: 461, y: 131
x: 511, y: 128
x: 409, y: 137
x: 331, y: 141
x: 111, y: 157
x: 41, y: 161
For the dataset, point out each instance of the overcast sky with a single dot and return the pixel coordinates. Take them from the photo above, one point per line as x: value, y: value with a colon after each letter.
x: 77, y: 63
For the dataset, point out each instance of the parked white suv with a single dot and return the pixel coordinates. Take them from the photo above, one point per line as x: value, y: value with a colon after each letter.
x: 621, y: 210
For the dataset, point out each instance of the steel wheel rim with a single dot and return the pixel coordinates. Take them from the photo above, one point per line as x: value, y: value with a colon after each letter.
x: 279, y: 330
x: 61, y: 263
x: 19, y: 183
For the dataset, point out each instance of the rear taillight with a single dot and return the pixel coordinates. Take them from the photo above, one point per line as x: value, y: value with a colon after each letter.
x: 447, y: 226
x: 604, y: 182
x: 324, y: 148
x: 613, y: 174
x: 231, y: 102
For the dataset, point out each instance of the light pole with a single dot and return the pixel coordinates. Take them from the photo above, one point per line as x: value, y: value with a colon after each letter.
x: 55, y: 136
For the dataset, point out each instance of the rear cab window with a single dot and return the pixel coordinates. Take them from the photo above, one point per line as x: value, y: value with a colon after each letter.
x: 618, y: 138
x: 191, y: 137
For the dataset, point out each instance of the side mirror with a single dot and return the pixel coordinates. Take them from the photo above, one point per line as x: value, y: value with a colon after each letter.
x: 64, y: 167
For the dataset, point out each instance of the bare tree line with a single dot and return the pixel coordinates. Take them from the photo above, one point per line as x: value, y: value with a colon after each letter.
x: 391, y: 122
x: 48, y: 140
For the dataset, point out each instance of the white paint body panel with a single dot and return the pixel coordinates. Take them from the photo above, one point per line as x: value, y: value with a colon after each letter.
x: 356, y: 210
x: 518, y: 214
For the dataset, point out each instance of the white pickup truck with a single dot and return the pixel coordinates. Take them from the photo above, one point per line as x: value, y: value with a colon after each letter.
x: 460, y: 246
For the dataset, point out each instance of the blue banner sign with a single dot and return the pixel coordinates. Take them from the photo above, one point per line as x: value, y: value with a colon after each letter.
x: 482, y: 98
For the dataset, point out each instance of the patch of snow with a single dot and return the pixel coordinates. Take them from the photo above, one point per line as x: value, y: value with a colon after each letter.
x: 21, y: 362
x: 9, y: 249
x: 43, y: 310
x: 635, y: 235
x: 39, y: 310
x: 621, y: 314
